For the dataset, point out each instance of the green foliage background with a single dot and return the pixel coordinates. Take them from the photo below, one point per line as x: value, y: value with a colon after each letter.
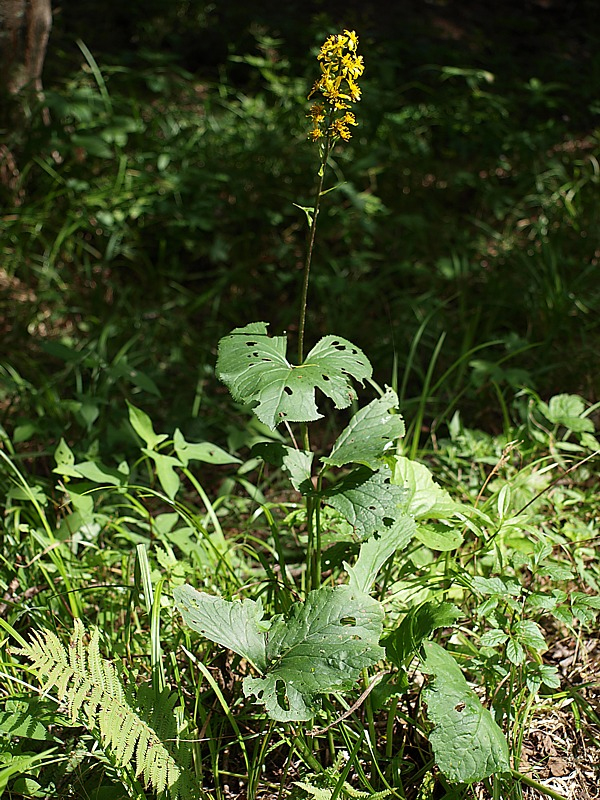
x: 155, y: 212
x: 158, y: 209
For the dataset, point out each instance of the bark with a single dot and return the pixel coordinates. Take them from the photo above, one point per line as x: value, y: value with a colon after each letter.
x: 24, y: 32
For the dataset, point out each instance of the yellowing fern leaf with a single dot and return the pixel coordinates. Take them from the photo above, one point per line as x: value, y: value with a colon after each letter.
x: 139, y: 730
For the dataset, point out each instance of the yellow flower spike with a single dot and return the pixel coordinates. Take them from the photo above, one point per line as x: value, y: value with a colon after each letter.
x: 341, y: 66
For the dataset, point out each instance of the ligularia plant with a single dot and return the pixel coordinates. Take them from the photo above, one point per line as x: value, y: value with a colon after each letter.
x: 331, y: 634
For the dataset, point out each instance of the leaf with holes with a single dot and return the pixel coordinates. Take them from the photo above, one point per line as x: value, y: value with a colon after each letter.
x: 467, y: 743
x: 367, y: 499
x: 255, y: 369
x: 376, y: 550
x: 370, y: 432
x: 237, y: 625
x: 320, y: 646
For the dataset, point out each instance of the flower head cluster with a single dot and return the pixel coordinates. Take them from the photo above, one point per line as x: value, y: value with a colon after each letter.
x: 341, y: 67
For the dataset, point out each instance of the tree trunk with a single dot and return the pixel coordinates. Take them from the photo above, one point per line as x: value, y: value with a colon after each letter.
x: 24, y: 32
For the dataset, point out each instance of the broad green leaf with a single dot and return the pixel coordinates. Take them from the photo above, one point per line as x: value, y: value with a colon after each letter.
x: 495, y: 585
x: 320, y: 646
x: 493, y: 638
x: 377, y: 550
x: 98, y: 473
x: 21, y: 764
x: 367, y: 499
x: 426, y: 499
x: 142, y: 425
x: 63, y: 455
x: 255, y: 369
x: 237, y: 625
x: 370, y: 432
x: 419, y: 624
x: 82, y: 503
x: 467, y: 743
x: 589, y: 441
x: 297, y: 463
x: 165, y: 471
x: 35, y: 494
x: 530, y: 634
x: 515, y: 652
x: 201, y: 451
x: 439, y: 536
x: 567, y: 410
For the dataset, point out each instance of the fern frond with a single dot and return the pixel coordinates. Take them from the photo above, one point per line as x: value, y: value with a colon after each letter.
x: 141, y: 729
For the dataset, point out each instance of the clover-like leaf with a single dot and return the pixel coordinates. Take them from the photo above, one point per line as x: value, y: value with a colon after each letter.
x: 237, y: 625
x: 370, y: 432
x: 320, y: 646
x: 567, y: 410
x: 467, y: 743
x: 255, y: 369
x: 367, y: 499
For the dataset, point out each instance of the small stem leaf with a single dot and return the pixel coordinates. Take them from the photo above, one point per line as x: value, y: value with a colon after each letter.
x: 309, y: 211
x: 237, y: 625
x: 369, y: 433
x: 467, y: 743
x: 320, y: 646
x: 426, y: 499
x: 367, y: 499
x: 142, y: 425
x: 439, y: 536
x: 165, y: 471
x: 255, y: 369
x: 376, y: 551
x: 201, y: 451
x: 419, y: 623
x: 297, y: 463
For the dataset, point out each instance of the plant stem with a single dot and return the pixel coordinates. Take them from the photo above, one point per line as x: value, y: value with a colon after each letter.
x: 538, y: 786
x: 314, y: 536
x: 309, y: 250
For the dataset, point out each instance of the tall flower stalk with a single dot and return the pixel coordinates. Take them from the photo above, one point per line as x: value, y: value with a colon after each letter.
x: 336, y: 89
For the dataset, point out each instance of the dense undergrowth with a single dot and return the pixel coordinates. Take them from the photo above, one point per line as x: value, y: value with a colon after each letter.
x: 164, y: 205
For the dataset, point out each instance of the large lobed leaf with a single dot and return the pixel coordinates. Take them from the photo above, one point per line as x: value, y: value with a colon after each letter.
x: 237, y: 625
x: 255, y: 369
x: 321, y: 645
x: 468, y: 745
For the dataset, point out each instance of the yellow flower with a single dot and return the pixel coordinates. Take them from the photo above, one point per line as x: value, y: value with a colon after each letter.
x: 351, y: 40
x: 341, y: 67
